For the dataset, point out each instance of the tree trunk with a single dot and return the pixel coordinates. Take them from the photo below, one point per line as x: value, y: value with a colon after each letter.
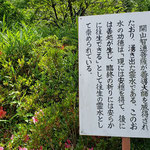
x: 53, y: 6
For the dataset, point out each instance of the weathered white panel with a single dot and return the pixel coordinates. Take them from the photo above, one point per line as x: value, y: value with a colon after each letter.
x: 114, y: 75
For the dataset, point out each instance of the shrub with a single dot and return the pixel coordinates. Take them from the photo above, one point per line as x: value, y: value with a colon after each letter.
x: 41, y: 75
x: 12, y: 14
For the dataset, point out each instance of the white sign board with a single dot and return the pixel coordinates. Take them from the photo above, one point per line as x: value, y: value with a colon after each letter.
x: 114, y: 75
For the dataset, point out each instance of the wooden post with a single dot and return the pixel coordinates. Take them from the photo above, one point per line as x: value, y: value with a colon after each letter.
x: 125, y: 143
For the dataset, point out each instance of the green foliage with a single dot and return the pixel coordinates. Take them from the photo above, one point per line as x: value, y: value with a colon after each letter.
x: 17, y: 43
x: 39, y: 73
x: 29, y: 83
x: 22, y: 4
x: 12, y: 14
x: 61, y: 13
x: 143, y: 5
x: 67, y: 33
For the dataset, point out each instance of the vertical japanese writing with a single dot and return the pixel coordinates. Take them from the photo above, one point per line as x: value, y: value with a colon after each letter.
x: 121, y: 76
x: 88, y: 47
x: 144, y: 76
x: 131, y: 26
x: 132, y: 75
x: 110, y: 86
x: 99, y: 86
x: 109, y: 39
x: 110, y: 75
x: 114, y: 77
